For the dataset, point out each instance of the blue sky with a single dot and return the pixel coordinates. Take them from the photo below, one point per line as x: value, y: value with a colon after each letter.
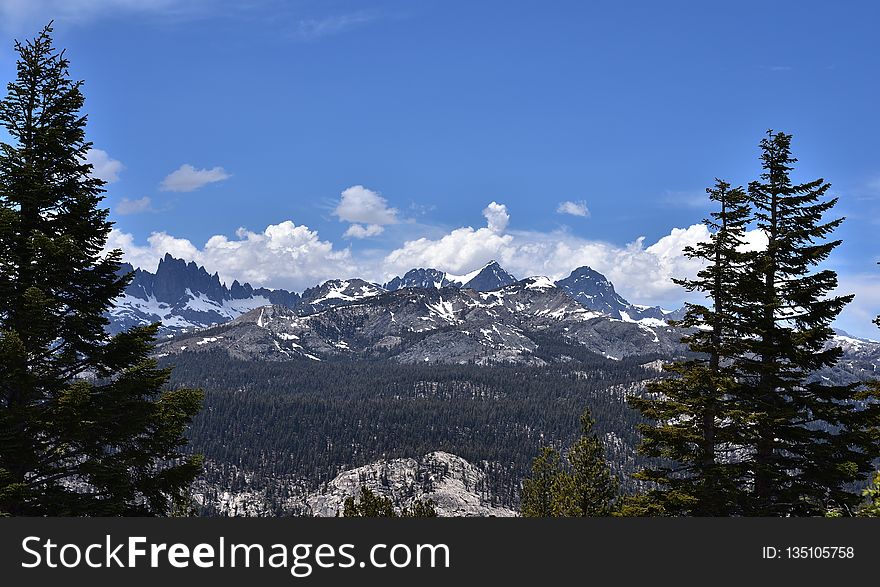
x: 231, y: 130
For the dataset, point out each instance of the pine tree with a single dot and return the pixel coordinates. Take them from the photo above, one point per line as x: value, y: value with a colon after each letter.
x: 808, y: 440
x: 538, y: 490
x: 586, y: 487
x: 690, y: 411
x: 420, y: 508
x: 85, y: 428
x: 373, y: 505
x: 594, y: 486
x: 871, y: 509
x: 370, y: 505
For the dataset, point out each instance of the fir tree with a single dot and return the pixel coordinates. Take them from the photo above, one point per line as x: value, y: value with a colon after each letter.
x: 807, y: 440
x: 85, y: 428
x: 696, y: 475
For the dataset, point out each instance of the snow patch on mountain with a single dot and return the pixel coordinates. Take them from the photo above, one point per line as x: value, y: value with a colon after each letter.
x: 539, y: 282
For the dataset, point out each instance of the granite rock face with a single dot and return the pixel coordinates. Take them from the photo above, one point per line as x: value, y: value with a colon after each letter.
x: 457, y: 487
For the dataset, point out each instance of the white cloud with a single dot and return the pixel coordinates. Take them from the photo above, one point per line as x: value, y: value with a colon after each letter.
x: 314, y: 28
x: 856, y: 318
x: 19, y: 14
x: 462, y: 250
x: 497, y: 217
x: 361, y: 231
x: 754, y: 240
x: 578, y: 208
x: 283, y: 255
x: 103, y: 166
x: 147, y: 256
x: 459, y: 251
x: 696, y: 199
x: 187, y: 178
x: 126, y: 206
x: 641, y: 272
x: 361, y: 205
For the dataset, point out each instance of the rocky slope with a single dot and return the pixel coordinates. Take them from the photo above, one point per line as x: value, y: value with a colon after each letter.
x: 457, y: 487
x: 516, y: 324
x: 595, y: 292
x: 336, y: 292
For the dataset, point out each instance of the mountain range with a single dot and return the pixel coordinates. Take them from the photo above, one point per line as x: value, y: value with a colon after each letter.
x: 425, y: 316
x: 184, y: 296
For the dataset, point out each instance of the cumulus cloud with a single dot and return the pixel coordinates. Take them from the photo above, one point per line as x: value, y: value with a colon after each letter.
x: 187, y: 178
x: 147, y: 256
x: 361, y: 205
x: 578, y: 208
x: 459, y: 251
x: 361, y: 231
x: 295, y: 257
x: 462, y: 250
x: 126, y: 206
x: 103, y: 166
x: 283, y: 255
x: 856, y: 318
x: 497, y: 217
x: 640, y: 271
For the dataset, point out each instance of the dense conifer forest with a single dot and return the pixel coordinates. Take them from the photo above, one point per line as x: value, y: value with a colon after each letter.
x: 308, y: 420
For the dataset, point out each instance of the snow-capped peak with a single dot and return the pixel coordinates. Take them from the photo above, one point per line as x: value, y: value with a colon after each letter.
x: 538, y: 282
x: 463, y: 279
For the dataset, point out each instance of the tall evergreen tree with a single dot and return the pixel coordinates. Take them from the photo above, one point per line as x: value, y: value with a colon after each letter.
x: 690, y: 412
x: 584, y: 486
x: 808, y: 440
x: 594, y: 488
x: 538, y: 492
x: 85, y: 428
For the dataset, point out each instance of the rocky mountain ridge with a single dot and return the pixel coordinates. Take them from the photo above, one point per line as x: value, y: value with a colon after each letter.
x: 185, y: 297
x: 531, y: 321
